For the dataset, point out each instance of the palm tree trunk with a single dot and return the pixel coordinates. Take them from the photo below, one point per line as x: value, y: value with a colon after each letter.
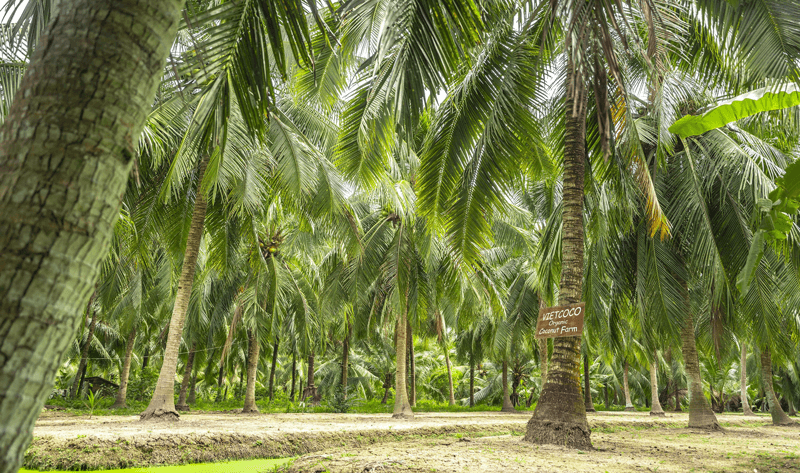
x: 655, y: 403
x: 412, y: 369
x: 402, y: 408
x: 345, y: 359
x: 66, y: 150
x: 273, y: 368
x: 387, y: 384
x: 82, y: 377
x: 778, y: 416
x: 560, y: 415
x: 587, y: 388
x: 219, y: 381
x: 187, y: 377
x: 76, y: 383
x: 294, y: 375
x: 452, y: 400
x: 700, y: 414
x: 743, y: 382
x: 145, y: 358
x: 253, y: 349
x: 122, y: 393
x: 192, y: 391
x: 543, y: 359
x: 507, y: 406
x: 626, y: 388
x: 311, y: 390
x: 162, y: 405
x: 471, y: 380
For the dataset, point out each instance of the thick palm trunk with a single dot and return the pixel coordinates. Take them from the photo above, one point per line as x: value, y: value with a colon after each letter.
x: 743, y: 382
x: 626, y: 387
x: 778, y: 416
x: 412, y: 369
x: 655, y: 403
x: 471, y: 380
x: 345, y: 359
x: 273, y: 368
x: 402, y: 408
x: 543, y: 359
x: 66, y: 150
x: 162, y: 404
x: 560, y: 415
x: 76, y: 383
x: 452, y: 400
x: 587, y: 388
x: 253, y: 349
x: 122, y: 393
x: 700, y: 414
x: 187, y: 377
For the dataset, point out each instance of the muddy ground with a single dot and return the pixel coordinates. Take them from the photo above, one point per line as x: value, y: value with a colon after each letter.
x: 441, y: 442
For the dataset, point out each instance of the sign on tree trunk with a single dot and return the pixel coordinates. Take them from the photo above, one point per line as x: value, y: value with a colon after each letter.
x: 561, y: 321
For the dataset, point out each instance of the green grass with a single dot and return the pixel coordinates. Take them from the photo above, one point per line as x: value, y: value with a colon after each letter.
x: 372, y: 406
x: 246, y: 466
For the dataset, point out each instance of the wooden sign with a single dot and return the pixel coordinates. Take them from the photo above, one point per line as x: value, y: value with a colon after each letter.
x: 561, y: 321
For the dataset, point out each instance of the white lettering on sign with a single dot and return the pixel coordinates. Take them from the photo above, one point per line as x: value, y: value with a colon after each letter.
x: 562, y: 321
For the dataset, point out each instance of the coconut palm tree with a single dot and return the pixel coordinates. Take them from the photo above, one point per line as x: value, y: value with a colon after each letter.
x: 22, y: 219
x: 135, y: 83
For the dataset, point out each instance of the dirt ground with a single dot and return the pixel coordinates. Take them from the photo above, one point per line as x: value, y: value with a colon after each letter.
x: 441, y: 442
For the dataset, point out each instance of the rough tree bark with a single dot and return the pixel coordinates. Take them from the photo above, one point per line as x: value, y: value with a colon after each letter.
x: 700, y: 414
x: 120, y: 402
x: 507, y: 405
x: 273, y: 368
x: 655, y: 403
x: 402, y: 408
x: 778, y: 416
x: 187, y: 377
x: 66, y: 150
x: 452, y: 400
x: 743, y: 382
x: 76, y: 383
x: 626, y: 387
x: 162, y: 404
x: 587, y: 388
x: 560, y: 415
x: 543, y: 359
x: 253, y: 348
